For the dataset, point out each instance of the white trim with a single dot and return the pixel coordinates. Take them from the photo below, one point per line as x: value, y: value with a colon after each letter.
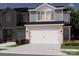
x: 60, y: 8
x: 67, y: 26
x: 45, y: 15
x: 40, y: 15
x: 45, y: 25
x: 54, y: 16
x: 36, y: 16
x: 62, y: 15
x: 30, y: 16
x: 45, y: 4
x: 31, y: 10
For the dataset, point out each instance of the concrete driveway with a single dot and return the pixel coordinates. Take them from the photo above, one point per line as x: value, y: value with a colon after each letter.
x: 34, y: 49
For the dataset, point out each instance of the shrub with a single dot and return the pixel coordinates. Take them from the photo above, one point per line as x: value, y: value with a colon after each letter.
x: 3, y: 41
x: 71, y: 42
x: 22, y: 41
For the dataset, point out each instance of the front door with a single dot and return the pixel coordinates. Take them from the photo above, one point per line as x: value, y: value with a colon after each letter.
x: 7, y: 34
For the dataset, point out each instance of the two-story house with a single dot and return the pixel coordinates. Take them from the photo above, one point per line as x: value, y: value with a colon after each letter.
x: 43, y: 24
x: 11, y: 24
x: 48, y: 24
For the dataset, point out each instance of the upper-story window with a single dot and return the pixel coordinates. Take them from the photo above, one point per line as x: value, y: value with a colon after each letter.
x: 45, y: 15
x: 8, y: 17
x: 41, y: 15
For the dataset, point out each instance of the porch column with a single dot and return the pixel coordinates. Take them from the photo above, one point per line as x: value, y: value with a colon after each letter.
x: 69, y: 33
x: 36, y: 15
x: 29, y: 15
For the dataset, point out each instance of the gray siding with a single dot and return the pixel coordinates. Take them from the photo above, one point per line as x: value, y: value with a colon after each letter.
x: 66, y: 33
x: 20, y: 34
x: 8, y: 22
x: 66, y: 16
x: 14, y: 35
x: 33, y: 16
x: 58, y: 15
x: 0, y: 34
x: 25, y: 17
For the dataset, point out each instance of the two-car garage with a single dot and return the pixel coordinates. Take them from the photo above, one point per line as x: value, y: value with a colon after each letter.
x: 45, y: 34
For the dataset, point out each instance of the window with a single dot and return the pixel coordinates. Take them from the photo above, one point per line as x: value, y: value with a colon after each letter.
x: 52, y: 15
x: 33, y: 16
x: 19, y: 18
x: 42, y: 14
x: 39, y: 16
x: 8, y: 17
x: 45, y: 15
x: 48, y: 15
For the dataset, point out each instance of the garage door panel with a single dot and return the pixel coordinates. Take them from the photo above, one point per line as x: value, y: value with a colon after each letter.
x: 44, y: 36
x: 36, y: 36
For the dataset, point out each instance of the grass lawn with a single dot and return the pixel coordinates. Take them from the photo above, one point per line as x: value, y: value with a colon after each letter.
x: 13, y: 45
x: 2, y: 49
x: 71, y: 52
x: 69, y: 47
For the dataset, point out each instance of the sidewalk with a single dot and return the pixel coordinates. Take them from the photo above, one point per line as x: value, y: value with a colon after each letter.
x: 4, y: 45
x: 34, y: 49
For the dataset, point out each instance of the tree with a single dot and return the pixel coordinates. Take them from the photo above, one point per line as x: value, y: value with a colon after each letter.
x: 74, y: 20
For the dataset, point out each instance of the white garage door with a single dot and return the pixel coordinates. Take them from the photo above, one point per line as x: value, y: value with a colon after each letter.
x: 44, y: 36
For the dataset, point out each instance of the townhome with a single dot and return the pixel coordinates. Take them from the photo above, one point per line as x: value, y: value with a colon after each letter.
x: 12, y: 24
x: 45, y: 24
x: 48, y: 24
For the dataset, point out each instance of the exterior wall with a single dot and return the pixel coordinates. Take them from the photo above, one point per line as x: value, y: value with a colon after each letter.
x: 58, y: 28
x: 1, y: 34
x: 25, y: 17
x: 20, y: 34
x: 11, y: 23
x: 58, y: 15
x: 8, y: 21
x: 19, y: 18
x: 66, y: 33
x: 45, y: 8
x: 66, y: 16
x: 12, y: 20
x: 27, y: 31
x: 32, y: 16
x: 14, y: 35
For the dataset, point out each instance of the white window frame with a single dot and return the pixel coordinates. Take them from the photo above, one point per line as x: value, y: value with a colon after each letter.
x: 45, y: 16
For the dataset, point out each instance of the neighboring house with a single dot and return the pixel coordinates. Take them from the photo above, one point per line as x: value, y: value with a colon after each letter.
x: 43, y: 24
x: 12, y: 24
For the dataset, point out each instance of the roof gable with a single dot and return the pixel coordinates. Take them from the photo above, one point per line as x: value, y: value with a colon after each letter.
x: 45, y: 4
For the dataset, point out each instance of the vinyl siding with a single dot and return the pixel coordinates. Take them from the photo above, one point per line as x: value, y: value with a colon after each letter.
x: 59, y: 15
x: 4, y: 19
x: 66, y: 17
x: 32, y: 16
x: 21, y: 34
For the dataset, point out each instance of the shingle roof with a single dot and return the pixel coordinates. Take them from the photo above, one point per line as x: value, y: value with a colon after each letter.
x: 29, y: 5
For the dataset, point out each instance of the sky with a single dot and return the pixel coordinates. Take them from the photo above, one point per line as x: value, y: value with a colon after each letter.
x: 33, y: 5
